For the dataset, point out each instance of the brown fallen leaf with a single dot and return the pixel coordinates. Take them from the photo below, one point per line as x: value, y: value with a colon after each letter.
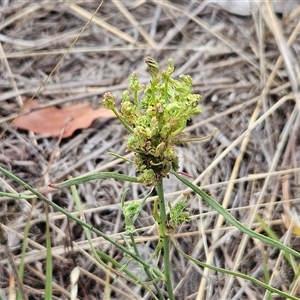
x: 52, y: 121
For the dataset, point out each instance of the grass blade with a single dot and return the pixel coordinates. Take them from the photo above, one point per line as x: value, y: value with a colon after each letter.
x: 233, y: 220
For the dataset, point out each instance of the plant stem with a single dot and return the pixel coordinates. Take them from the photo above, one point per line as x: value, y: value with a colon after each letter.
x: 166, y: 240
x: 49, y: 267
x: 158, y: 290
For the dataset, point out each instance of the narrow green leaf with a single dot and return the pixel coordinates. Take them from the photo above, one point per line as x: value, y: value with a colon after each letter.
x: 234, y: 221
x: 85, y: 178
x: 236, y: 274
x: 48, y: 289
x: 273, y: 236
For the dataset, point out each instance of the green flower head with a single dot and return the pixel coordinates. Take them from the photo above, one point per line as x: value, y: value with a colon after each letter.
x: 155, y: 114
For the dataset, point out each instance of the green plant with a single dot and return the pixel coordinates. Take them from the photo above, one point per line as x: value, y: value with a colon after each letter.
x: 155, y: 116
x: 155, y: 119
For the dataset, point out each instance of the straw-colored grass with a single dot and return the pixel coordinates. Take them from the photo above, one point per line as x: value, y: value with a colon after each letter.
x: 246, y: 68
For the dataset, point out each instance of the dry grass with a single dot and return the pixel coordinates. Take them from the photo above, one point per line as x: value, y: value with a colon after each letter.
x: 248, y: 77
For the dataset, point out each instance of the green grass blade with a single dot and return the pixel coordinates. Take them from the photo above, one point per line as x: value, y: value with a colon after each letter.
x: 85, y: 178
x: 233, y: 220
x: 17, y: 196
x: 273, y: 236
x: 24, y: 245
x: 48, y: 288
x: 236, y: 274
x: 86, y: 231
x: 23, y: 255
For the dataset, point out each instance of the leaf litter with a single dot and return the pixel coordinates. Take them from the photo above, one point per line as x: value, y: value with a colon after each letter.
x: 251, y: 166
x: 53, y: 121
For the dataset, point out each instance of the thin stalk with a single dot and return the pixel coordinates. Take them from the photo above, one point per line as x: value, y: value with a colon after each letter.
x: 137, y: 280
x: 24, y: 248
x: 16, y: 196
x: 48, y: 289
x: 166, y: 240
x: 158, y: 290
